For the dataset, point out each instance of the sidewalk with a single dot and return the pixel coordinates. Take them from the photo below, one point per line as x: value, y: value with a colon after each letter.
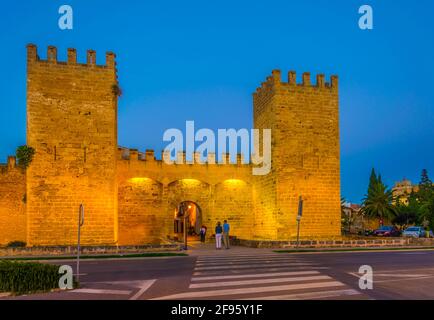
x: 208, y: 249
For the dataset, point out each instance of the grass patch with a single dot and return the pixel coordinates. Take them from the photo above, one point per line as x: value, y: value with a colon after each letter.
x: 28, y: 277
x: 113, y: 256
x: 352, y: 249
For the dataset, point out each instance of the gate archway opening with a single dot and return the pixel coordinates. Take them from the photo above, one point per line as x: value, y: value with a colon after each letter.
x: 194, y: 219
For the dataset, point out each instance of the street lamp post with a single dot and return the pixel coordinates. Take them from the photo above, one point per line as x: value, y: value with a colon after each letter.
x: 185, y: 215
x: 185, y: 232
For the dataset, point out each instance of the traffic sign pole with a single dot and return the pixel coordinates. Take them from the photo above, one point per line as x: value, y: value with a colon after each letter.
x: 80, y: 224
x: 299, y: 215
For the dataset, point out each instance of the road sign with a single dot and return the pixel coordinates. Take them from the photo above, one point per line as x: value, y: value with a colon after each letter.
x: 300, y: 207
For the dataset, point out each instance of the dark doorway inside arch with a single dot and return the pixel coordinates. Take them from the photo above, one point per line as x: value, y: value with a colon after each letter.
x: 193, y: 221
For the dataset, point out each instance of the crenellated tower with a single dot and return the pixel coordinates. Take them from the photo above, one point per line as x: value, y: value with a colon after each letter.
x: 304, y: 119
x: 72, y: 124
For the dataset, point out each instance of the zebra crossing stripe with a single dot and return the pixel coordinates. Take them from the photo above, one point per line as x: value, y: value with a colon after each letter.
x: 263, y: 269
x: 251, y: 290
x: 245, y: 261
x: 255, y: 275
x: 310, y: 295
x: 256, y: 281
x: 252, y: 266
x: 228, y: 256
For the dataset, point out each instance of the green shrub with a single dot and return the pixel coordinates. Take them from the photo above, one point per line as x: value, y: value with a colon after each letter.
x: 16, y: 244
x: 24, y: 278
x: 25, y: 155
x: 117, y: 91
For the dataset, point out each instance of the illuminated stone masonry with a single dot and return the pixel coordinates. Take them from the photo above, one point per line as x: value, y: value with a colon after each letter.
x: 131, y: 198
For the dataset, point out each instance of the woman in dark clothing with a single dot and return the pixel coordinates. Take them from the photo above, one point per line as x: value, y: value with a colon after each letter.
x: 218, y: 235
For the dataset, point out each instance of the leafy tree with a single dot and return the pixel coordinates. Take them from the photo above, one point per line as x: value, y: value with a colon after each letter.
x: 25, y: 155
x: 378, y: 202
x: 426, y: 189
x: 407, y: 213
x: 419, y: 208
x: 425, y: 181
x: 425, y: 197
x: 346, y: 217
x: 373, y: 180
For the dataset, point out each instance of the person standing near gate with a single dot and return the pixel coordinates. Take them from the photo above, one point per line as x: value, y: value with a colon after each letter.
x: 202, y: 234
x: 226, y: 228
x: 218, y: 235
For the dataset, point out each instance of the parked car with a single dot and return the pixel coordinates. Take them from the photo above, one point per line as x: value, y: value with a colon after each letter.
x: 387, y: 231
x: 415, y: 232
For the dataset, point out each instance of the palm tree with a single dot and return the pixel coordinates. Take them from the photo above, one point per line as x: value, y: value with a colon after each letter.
x: 378, y: 203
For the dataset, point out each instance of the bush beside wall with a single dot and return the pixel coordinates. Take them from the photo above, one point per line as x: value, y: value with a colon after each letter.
x: 24, y: 278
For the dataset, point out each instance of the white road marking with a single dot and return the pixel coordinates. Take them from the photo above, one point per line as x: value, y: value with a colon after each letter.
x: 401, y: 280
x: 257, y: 281
x: 144, y: 286
x: 393, y: 275
x: 400, y: 275
x: 256, y: 275
x: 285, y: 276
x: 246, y: 258
x: 252, y: 266
x: 234, y: 255
x: 227, y: 292
x: 310, y: 295
x: 101, y: 291
x: 274, y: 269
x: 233, y: 261
x: 411, y: 253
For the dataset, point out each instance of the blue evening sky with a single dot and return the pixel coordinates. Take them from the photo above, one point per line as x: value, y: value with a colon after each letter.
x: 201, y: 60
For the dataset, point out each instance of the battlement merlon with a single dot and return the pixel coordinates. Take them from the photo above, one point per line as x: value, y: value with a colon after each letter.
x: 9, y: 166
x: 275, y: 81
x: 32, y: 57
x: 181, y: 158
x: 12, y: 162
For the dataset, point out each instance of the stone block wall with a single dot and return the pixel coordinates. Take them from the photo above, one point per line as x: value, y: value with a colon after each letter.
x: 304, y: 119
x: 72, y: 125
x: 130, y: 197
x: 141, y: 211
x: 13, y: 222
x: 150, y: 191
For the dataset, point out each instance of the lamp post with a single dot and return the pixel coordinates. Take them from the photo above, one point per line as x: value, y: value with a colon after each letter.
x: 183, y: 213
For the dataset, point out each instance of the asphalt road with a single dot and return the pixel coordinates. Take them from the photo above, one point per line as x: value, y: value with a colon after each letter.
x: 242, y: 273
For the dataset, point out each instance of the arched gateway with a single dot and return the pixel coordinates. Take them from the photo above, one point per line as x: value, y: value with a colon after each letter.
x: 190, y: 213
